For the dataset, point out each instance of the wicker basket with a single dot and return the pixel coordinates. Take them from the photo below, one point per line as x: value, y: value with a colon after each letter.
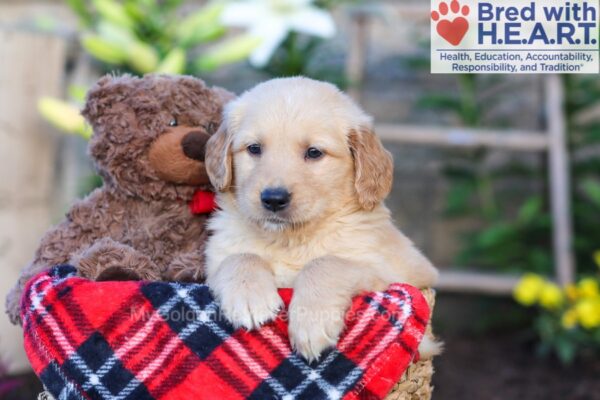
x: 415, y: 384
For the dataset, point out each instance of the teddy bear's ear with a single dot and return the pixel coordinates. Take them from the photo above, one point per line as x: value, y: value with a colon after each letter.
x: 106, y: 92
x: 224, y: 95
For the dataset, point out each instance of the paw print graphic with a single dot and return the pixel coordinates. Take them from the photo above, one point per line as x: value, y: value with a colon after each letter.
x: 452, y: 30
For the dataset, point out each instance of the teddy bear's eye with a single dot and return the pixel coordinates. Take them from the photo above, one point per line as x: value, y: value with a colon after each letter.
x: 211, y: 128
x: 173, y: 122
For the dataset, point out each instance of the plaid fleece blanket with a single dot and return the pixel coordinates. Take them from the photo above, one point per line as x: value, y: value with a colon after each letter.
x: 143, y: 340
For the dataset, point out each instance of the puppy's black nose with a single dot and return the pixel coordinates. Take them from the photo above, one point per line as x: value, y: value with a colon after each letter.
x: 194, y: 145
x: 275, y: 199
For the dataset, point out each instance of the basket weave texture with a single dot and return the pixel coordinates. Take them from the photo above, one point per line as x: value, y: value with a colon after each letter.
x: 415, y: 384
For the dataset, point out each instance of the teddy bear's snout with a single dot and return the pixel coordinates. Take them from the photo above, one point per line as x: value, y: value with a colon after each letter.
x: 194, y: 145
x: 178, y: 155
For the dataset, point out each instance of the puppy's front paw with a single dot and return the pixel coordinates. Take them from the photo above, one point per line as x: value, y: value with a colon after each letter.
x: 244, y: 286
x: 314, y: 327
x: 250, y: 304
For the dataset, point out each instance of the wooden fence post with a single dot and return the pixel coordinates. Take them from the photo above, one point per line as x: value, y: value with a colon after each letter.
x: 31, y: 65
x: 357, y: 53
x: 560, y: 189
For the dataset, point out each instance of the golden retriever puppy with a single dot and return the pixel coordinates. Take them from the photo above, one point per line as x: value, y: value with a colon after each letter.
x: 301, y: 179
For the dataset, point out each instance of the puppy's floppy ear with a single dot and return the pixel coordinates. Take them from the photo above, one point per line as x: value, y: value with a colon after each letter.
x: 219, y: 158
x: 373, y: 167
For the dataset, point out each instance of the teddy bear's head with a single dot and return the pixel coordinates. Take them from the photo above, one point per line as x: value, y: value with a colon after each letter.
x: 150, y: 133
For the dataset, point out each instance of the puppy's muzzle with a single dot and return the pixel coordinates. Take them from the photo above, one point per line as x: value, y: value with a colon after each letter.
x: 275, y: 199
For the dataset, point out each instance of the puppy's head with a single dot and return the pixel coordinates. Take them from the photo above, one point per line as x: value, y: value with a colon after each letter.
x: 294, y: 150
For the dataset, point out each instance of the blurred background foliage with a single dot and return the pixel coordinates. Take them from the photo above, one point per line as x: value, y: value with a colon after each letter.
x: 514, y: 233
x: 517, y: 239
x: 154, y: 36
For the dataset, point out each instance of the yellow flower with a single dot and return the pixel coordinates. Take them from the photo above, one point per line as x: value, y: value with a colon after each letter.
x: 571, y: 292
x: 527, y: 291
x: 588, y: 288
x: 588, y: 313
x: 551, y: 296
x: 569, y: 318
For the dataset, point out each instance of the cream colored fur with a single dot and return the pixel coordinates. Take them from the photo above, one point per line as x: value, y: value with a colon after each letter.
x: 335, y: 239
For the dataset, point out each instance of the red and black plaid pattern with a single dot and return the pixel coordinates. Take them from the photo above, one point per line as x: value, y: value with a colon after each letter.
x: 141, y: 340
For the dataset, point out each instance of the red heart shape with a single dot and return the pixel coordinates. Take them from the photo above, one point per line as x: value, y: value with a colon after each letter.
x: 454, y: 31
x: 134, y: 340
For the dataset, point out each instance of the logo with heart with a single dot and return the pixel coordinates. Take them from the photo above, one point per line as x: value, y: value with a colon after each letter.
x: 451, y: 22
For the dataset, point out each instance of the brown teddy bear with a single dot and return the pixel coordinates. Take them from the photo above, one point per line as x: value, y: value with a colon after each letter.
x: 148, y: 145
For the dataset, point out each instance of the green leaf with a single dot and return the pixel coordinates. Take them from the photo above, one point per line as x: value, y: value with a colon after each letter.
x: 566, y: 350
x: 418, y: 62
x: 545, y: 325
x: 117, y: 35
x: 539, y: 260
x: 458, y: 198
x: 170, y: 4
x: 103, y: 50
x: 439, y: 102
x: 233, y: 50
x: 88, y: 184
x: 114, y: 12
x: 530, y: 209
x: 147, y: 3
x: 142, y: 57
x: 461, y: 172
x: 63, y: 116
x: 173, y: 63
x: 77, y: 93
x: 79, y: 7
x: 135, y: 11
x: 592, y: 190
x: 206, y: 34
x: 201, y: 26
x: 495, y: 235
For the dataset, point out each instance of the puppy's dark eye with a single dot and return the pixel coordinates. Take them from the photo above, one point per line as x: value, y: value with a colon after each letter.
x: 313, y: 153
x: 211, y: 128
x: 255, y: 149
x: 173, y: 122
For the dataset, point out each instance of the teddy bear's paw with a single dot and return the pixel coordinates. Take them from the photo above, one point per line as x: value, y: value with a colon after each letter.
x: 117, y: 273
x: 185, y: 268
x: 314, y: 327
x: 13, y: 304
x: 109, y: 260
x: 183, y: 274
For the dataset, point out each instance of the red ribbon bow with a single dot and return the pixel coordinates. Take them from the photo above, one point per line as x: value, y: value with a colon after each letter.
x: 203, y: 202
